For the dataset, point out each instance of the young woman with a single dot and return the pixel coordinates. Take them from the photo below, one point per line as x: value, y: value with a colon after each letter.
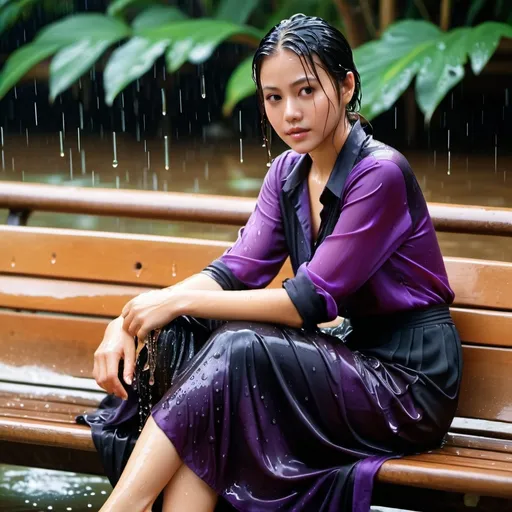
x: 258, y: 404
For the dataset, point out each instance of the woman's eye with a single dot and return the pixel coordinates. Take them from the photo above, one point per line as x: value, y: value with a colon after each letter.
x: 307, y: 90
x: 273, y: 97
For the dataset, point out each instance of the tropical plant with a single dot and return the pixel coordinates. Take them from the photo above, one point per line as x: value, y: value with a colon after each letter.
x: 407, y: 50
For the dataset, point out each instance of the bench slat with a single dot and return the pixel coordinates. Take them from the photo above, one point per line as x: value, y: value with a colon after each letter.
x: 486, y: 384
x: 27, y: 406
x: 33, y: 339
x: 483, y: 327
x: 113, y: 258
x: 60, y: 296
x: 444, y: 477
x: 68, y: 419
x: 24, y: 430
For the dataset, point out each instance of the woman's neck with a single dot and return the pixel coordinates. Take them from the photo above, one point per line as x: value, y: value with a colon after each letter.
x: 325, y: 155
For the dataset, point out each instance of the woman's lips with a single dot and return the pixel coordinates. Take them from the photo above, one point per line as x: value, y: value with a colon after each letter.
x: 298, y: 135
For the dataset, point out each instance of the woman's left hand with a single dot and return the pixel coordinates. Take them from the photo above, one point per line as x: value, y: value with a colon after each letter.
x: 149, y: 311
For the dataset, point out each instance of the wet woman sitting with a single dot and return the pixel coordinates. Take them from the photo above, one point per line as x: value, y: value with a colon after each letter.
x: 252, y: 398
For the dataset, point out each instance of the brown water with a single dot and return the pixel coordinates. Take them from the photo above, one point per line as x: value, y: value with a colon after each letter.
x: 232, y: 168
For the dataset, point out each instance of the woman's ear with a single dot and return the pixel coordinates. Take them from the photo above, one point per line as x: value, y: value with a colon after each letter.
x: 348, y: 87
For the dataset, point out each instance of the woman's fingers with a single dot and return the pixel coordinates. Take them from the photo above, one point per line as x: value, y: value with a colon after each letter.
x: 129, y: 364
x: 113, y: 383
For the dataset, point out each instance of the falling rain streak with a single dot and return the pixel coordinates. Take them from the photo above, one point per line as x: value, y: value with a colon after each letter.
x: 114, y: 146
x: 241, y: 151
x: 164, y: 104
x: 35, y: 112
x: 61, y: 140
x: 203, y: 87
x: 166, y: 152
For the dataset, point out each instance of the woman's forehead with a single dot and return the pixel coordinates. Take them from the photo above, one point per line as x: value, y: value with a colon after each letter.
x: 286, y: 67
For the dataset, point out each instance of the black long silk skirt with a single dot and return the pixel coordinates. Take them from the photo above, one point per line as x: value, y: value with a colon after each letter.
x: 276, y: 418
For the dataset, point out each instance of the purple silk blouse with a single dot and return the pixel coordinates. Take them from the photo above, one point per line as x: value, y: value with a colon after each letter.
x: 377, y: 250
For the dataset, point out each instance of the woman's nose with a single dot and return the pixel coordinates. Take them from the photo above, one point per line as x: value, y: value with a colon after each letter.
x: 292, y: 112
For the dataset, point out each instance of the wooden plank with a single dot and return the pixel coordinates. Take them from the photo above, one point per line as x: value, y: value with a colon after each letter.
x: 483, y: 327
x: 60, y: 296
x: 213, y: 209
x: 143, y: 260
x: 24, y: 430
x: 486, y: 384
x: 63, y: 344
x: 478, y: 442
x: 481, y: 284
x: 486, y: 482
x: 139, y: 260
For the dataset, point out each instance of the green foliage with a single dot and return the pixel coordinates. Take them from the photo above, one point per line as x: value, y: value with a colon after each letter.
x: 414, y: 48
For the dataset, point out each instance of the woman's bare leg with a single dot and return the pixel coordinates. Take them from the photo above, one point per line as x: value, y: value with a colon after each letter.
x: 152, y: 464
x: 186, y: 492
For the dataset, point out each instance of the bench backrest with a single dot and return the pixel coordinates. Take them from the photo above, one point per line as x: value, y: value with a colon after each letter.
x: 59, y: 288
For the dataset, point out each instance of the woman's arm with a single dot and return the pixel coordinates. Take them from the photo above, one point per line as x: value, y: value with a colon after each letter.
x: 152, y: 310
x: 267, y: 305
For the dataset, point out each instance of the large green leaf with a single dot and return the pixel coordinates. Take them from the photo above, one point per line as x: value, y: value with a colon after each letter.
x: 483, y: 42
x: 21, y: 61
x: 117, y: 7
x: 72, y: 62
x: 240, y: 86
x: 129, y: 62
x: 196, y: 39
x: 442, y: 69
x: 157, y: 15
x: 89, y: 26
x: 8, y: 15
x: 387, y: 66
x: 235, y: 10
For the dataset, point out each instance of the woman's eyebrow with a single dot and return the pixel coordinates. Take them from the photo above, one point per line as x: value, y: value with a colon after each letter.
x: 307, y: 79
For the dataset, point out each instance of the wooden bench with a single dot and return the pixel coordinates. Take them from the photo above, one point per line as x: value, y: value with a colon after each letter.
x: 59, y: 289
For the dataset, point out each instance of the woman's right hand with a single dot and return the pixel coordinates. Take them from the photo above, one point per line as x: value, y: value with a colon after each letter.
x: 117, y: 344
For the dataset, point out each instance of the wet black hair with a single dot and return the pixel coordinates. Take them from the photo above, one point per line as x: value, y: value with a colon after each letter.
x: 308, y: 36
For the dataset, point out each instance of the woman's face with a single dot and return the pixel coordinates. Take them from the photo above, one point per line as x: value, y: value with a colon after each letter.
x: 297, y: 107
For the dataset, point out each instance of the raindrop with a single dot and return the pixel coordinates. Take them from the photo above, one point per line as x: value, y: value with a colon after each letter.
x: 173, y: 269
x: 240, y: 121
x: 81, y: 114
x: 2, y: 136
x: 114, y: 145
x: 314, y: 369
x: 15, y: 93
x: 117, y: 181
x: 13, y: 263
x: 35, y: 111
x: 137, y: 131
x: 63, y: 125
x: 396, y: 118
x: 12, y: 164
x: 144, y: 122
x: 467, y: 129
x: 203, y: 87
x: 196, y: 185
x: 149, y: 161
x: 98, y: 102
x: 164, y: 104
x: 166, y: 150
x: 26, y: 134
x: 53, y: 261
x: 78, y: 138
x: 241, y: 151
x: 216, y: 355
x: 274, y: 421
x: 155, y: 181
x: 92, y: 178
x: 3, y: 160
x: 506, y: 97
x: 181, y: 101
x: 35, y: 87
x: 206, y: 171
x: 82, y: 156
x: 61, y: 140
x: 123, y: 121
x: 70, y: 163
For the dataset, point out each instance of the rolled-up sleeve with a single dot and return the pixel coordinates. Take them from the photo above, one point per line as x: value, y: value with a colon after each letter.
x: 374, y: 221
x: 260, y: 250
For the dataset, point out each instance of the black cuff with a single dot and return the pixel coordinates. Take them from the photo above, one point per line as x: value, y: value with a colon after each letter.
x: 221, y: 274
x: 309, y: 304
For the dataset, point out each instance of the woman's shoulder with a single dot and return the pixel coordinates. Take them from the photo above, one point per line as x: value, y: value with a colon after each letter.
x: 382, y: 162
x: 282, y: 165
